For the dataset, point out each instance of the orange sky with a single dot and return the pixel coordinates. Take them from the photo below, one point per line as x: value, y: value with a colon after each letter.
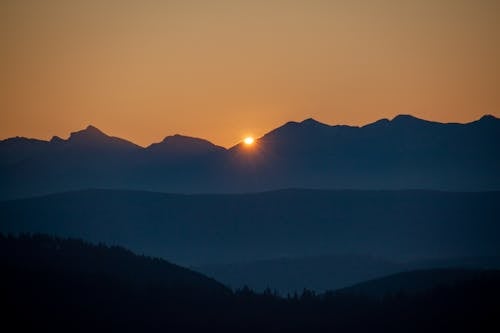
x: 224, y: 69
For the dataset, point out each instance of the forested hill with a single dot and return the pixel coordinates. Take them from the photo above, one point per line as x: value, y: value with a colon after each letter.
x: 51, y: 284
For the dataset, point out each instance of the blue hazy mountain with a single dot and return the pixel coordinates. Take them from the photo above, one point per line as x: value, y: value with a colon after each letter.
x: 292, y: 275
x: 328, y: 272
x: 414, y: 282
x: 205, y: 229
x: 401, y: 153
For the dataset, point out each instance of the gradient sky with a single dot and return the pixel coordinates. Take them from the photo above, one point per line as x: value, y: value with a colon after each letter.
x: 225, y: 69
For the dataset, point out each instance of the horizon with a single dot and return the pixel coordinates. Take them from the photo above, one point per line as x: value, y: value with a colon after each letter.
x: 241, y: 140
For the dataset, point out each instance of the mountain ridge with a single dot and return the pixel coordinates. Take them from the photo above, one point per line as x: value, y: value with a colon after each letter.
x: 187, y: 228
x: 402, y: 153
x: 93, y: 130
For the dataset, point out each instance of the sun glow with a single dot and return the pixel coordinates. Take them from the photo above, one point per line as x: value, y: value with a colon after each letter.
x: 248, y: 140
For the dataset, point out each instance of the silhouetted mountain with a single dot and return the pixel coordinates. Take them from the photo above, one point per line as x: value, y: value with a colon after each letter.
x: 179, y: 145
x: 92, y: 137
x: 15, y: 150
x: 202, y: 229
x: 21, y: 151
x: 405, y: 152
x: 327, y: 272
x: 56, y: 285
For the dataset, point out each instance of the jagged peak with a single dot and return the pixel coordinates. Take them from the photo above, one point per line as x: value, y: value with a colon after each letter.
x: 22, y: 139
x: 306, y: 122
x: 90, y: 132
x: 92, y: 128
x: 92, y: 136
x: 56, y: 139
x: 312, y: 121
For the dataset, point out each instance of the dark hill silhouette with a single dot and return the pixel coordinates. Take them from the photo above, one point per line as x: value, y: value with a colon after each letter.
x: 31, y: 252
x: 405, y: 152
x: 202, y: 229
x: 61, y: 285
x: 67, y: 284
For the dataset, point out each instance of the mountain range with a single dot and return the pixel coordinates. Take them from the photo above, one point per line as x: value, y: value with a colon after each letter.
x: 402, y: 153
x: 228, y: 228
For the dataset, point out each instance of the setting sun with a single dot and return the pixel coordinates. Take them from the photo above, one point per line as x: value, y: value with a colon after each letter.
x: 249, y: 140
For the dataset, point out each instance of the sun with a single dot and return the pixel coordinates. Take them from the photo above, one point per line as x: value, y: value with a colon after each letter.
x: 248, y: 141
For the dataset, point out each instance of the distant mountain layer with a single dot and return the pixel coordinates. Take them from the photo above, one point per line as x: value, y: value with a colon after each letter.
x: 401, y: 153
x: 328, y: 272
x: 415, y: 282
x: 204, y: 229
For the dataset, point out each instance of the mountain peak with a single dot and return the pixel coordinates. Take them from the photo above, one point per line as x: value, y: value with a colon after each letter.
x: 89, y: 133
x: 56, y: 139
x: 185, y: 140
x: 409, y: 120
x: 181, y: 144
x: 91, y: 128
x: 94, y: 137
x: 311, y: 121
x: 405, y: 118
x: 489, y: 117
